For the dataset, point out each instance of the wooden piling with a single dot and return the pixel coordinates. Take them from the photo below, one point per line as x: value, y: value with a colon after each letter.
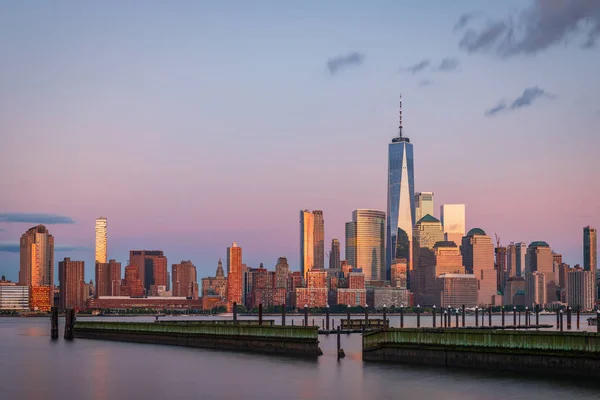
x: 235, y: 313
x: 463, y: 315
x: 327, y: 318
x: 402, y: 317
x: 54, y: 323
x: 433, y: 315
x: 69, y: 323
x: 418, y: 316
x: 502, y: 309
x: 283, y: 315
x: 340, y: 351
x: 476, y: 316
x: 260, y: 309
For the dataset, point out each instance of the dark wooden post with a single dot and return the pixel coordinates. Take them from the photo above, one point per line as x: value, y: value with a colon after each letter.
x: 578, y: 317
x: 502, y: 309
x: 260, y: 314
x: 327, y: 318
x: 561, y: 320
x: 283, y: 315
x: 456, y: 314
x: 537, y: 314
x: 490, y: 316
x: 234, y: 313
x: 340, y: 351
x: 463, y: 315
x: 433, y: 315
x: 54, y: 323
x: 598, y: 321
x: 402, y: 317
x: 418, y: 316
x: 526, y: 316
x: 476, y: 316
x: 366, y: 316
x: 569, y: 318
x: 449, y: 316
x: 306, y: 315
x: 69, y: 323
x: 557, y: 318
x: 385, y: 324
x: 514, y: 316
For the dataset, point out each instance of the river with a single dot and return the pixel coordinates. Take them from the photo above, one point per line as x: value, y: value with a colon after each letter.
x: 32, y: 366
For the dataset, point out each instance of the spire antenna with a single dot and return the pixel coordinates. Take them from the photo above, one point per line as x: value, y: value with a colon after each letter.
x: 400, y: 115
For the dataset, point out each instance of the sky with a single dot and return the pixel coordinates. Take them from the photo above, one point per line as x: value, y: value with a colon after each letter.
x: 193, y: 124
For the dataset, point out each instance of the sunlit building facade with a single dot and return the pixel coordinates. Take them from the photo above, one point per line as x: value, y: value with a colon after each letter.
x: 365, y: 243
x: 581, y: 289
x: 235, y: 290
x: 307, y: 242
x: 37, y: 266
x: 477, y: 251
x: 590, y: 254
x: 71, y: 276
x: 319, y: 239
x: 108, y: 278
x: 334, y: 254
x: 452, y: 217
x: 400, y: 201
x: 185, y: 283
x: 423, y: 204
x: 101, y: 240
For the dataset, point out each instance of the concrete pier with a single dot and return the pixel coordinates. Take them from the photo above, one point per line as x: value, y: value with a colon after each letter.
x: 544, y: 352
x: 282, y: 340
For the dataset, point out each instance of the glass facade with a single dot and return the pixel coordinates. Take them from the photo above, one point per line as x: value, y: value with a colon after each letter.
x: 365, y: 242
x: 13, y: 297
x: 423, y: 205
x: 101, y: 240
x: 589, y: 249
x: 400, y: 203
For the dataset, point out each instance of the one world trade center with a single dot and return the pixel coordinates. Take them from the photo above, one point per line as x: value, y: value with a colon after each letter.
x: 400, y: 202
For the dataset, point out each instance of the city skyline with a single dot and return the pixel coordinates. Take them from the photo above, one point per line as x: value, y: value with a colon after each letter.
x: 148, y: 96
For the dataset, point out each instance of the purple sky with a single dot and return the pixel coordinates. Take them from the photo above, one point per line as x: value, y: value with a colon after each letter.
x: 193, y: 124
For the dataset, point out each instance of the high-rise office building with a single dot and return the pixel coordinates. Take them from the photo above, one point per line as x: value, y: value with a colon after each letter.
x: 282, y: 273
x: 400, y: 201
x: 185, y: 283
x: 108, y: 278
x: 101, y: 240
x: 501, y: 271
x: 235, y: 292
x: 540, y: 259
x: 365, y: 242
x: 442, y: 258
x: 581, y: 289
x: 319, y: 239
x: 312, y: 241
x: 423, y: 204
x: 152, y: 265
x: 131, y: 285
x: 37, y: 267
x: 453, y: 221
x: 535, y: 289
x: 478, y: 258
x: 427, y: 232
x: 334, y: 254
x: 72, y: 284
x: 516, y: 259
x: 590, y: 259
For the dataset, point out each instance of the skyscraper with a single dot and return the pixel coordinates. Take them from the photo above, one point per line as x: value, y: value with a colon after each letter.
x: 307, y: 242
x: 581, y: 289
x: 478, y: 258
x: 590, y: 259
x: 334, y: 254
x: 428, y: 231
x: 101, y: 240
x: 37, y: 266
x: 185, y: 283
x: 319, y: 239
x: 108, y: 278
x: 72, y: 284
x: 152, y: 266
x: 400, y: 200
x: 234, y: 275
x: 365, y: 242
x: 453, y: 220
x: 423, y: 204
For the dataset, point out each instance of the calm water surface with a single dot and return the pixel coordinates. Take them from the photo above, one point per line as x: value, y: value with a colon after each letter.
x: 34, y: 367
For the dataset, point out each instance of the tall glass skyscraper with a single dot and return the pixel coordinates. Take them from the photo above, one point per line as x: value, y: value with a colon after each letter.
x: 400, y: 201
x: 365, y: 242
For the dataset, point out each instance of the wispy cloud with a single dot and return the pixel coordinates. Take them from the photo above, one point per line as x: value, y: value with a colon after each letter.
x: 465, y: 19
x: 425, y: 82
x: 418, y: 67
x: 336, y: 64
x: 35, y: 218
x: 2, y: 230
x: 527, y: 98
x: 448, y: 64
x: 540, y: 26
x: 12, y: 247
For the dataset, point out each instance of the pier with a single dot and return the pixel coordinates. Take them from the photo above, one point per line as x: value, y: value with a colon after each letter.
x: 294, y: 341
x: 547, y: 352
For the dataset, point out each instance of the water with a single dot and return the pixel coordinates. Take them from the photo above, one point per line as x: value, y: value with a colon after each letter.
x: 34, y: 367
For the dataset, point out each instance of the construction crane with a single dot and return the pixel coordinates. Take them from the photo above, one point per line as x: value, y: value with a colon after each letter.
x: 497, y: 240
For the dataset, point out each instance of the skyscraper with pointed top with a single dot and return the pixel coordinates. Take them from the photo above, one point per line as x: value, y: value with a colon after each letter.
x: 400, y: 201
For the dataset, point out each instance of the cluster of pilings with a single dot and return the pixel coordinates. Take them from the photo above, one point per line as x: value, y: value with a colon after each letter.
x: 69, y: 323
